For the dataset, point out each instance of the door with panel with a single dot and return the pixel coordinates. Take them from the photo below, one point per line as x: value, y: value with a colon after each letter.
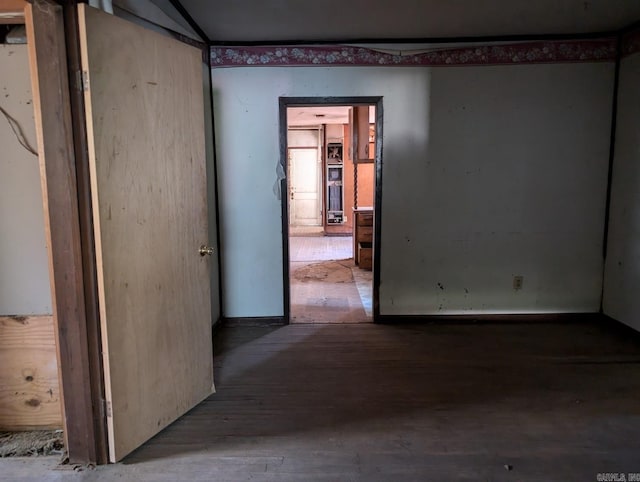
x: 146, y: 137
x: 304, y: 178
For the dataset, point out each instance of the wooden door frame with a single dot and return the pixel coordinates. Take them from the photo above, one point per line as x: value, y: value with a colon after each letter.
x: 70, y: 247
x: 54, y: 60
x: 286, y: 102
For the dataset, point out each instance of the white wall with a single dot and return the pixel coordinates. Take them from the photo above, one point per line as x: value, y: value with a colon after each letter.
x: 489, y: 172
x: 622, y: 274
x: 24, y: 272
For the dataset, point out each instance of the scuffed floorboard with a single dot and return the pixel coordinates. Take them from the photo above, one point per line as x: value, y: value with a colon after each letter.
x: 485, y: 402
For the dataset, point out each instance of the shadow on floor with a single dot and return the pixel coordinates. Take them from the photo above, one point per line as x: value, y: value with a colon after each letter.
x: 417, y: 390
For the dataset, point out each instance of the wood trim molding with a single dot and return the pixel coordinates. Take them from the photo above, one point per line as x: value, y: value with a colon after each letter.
x: 489, y: 318
x: 50, y: 86
x: 621, y: 327
x: 254, y: 321
x: 540, y: 52
x: 12, y: 11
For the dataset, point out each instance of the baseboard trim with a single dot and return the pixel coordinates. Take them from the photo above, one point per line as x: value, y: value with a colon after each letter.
x: 494, y: 319
x: 216, y: 325
x: 254, y: 321
x: 621, y: 327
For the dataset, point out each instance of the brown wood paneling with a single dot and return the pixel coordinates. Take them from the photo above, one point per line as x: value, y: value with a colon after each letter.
x: 29, y: 385
x: 47, y: 56
x: 366, y: 184
x: 364, y: 255
x: 361, y: 125
x: 348, y: 179
x: 365, y: 219
x: 365, y: 234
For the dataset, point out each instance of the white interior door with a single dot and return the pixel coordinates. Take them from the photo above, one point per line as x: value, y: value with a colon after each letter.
x: 146, y: 137
x: 305, y: 203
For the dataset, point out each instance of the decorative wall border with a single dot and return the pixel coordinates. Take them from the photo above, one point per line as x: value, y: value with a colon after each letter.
x: 631, y: 43
x: 598, y: 50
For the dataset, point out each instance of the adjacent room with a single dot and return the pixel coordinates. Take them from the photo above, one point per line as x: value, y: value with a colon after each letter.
x: 330, y: 206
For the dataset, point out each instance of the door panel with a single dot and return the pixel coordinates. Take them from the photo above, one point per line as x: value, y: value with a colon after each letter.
x: 305, y: 193
x: 145, y: 126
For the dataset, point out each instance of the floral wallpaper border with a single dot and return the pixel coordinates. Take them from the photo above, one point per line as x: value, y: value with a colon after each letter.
x: 631, y: 43
x: 598, y: 50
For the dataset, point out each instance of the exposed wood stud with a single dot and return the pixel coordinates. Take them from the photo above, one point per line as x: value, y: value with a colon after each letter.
x: 29, y: 383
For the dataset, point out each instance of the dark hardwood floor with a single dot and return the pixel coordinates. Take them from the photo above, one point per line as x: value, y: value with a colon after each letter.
x: 431, y: 402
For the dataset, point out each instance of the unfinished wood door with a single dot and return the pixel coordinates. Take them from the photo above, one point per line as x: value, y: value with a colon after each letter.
x: 145, y: 124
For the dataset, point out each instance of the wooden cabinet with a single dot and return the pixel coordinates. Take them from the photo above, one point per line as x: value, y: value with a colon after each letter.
x: 362, y: 134
x: 363, y: 237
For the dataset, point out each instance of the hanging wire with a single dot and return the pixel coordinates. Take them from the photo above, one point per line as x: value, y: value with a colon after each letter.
x: 17, y: 130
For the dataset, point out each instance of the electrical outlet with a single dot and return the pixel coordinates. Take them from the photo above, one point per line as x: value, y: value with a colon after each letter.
x: 517, y: 282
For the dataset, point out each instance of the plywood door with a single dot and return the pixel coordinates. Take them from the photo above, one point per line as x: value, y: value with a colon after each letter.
x: 304, y: 184
x: 145, y: 123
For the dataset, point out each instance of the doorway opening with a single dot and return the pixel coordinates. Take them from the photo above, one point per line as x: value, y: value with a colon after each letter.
x: 331, y: 160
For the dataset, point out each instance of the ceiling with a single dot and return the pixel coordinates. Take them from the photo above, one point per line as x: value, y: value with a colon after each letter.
x: 314, y: 116
x: 327, y: 114
x: 344, y: 20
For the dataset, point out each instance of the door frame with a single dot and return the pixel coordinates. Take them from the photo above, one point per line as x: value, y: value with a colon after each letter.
x: 286, y: 102
x: 69, y: 248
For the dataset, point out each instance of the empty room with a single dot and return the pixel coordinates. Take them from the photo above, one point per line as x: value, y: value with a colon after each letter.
x: 322, y: 241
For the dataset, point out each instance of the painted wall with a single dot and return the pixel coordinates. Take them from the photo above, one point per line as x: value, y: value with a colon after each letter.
x: 488, y: 172
x: 622, y: 273
x: 24, y: 271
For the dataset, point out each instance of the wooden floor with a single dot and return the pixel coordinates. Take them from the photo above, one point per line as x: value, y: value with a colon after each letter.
x: 323, y: 300
x: 483, y: 402
x: 320, y: 248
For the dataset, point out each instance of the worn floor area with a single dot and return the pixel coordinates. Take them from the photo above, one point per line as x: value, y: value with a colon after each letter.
x: 326, y: 292
x: 325, y: 284
x: 459, y: 402
x: 31, y: 442
x: 306, y: 230
x: 320, y: 248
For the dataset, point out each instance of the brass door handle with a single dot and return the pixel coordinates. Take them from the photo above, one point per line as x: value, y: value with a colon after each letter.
x: 204, y: 249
